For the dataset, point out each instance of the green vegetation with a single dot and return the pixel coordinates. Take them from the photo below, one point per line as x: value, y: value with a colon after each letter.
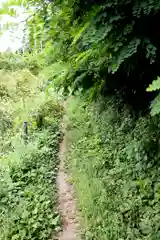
x: 106, y: 53
x: 28, y: 162
x: 107, y: 46
x: 110, y: 47
x: 114, y: 163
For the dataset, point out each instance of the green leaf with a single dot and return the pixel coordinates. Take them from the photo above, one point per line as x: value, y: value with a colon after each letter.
x: 55, y: 221
x: 79, y: 34
x: 154, y: 86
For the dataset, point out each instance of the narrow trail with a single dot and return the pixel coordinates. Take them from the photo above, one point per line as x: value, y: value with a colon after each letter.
x: 67, y: 204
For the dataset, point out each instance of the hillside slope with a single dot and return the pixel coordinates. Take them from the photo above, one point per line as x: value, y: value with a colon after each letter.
x: 113, y: 160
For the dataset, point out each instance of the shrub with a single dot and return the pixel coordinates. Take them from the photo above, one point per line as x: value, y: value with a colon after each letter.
x: 28, y: 189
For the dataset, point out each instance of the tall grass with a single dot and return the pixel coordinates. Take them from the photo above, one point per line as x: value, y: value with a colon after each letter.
x: 113, y: 160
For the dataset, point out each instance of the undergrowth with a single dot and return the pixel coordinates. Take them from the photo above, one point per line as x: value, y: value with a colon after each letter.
x: 114, y: 163
x: 28, y: 159
x: 28, y: 188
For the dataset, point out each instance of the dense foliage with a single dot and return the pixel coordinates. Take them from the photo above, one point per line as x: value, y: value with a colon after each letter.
x: 28, y: 161
x: 113, y: 44
x: 114, y: 162
x: 28, y: 193
x: 111, y: 48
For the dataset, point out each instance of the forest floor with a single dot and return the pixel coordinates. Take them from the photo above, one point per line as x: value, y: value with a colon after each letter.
x: 67, y: 203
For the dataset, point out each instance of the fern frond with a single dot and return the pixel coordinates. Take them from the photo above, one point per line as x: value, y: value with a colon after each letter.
x: 78, y: 35
x: 154, y: 86
x: 126, y: 52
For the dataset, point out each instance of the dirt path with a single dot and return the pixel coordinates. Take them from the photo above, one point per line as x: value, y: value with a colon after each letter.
x: 67, y: 203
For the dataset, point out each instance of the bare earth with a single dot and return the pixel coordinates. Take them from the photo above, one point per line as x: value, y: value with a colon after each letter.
x: 67, y: 205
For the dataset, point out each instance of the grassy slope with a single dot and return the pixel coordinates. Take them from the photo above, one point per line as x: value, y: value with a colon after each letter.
x: 114, y: 163
x: 27, y: 171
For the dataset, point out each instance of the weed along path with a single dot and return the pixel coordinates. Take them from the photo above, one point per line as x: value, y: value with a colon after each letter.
x: 67, y: 204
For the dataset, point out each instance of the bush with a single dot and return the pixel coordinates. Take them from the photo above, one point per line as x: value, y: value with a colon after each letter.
x: 28, y: 193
